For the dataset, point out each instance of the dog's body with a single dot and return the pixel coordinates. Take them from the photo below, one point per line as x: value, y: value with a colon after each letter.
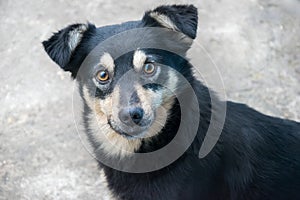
x: 256, y: 157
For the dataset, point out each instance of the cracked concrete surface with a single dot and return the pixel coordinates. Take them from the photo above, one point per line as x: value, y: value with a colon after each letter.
x: 255, y: 45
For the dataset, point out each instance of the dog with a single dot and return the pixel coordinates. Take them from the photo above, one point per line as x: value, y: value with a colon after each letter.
x: 138, y: 89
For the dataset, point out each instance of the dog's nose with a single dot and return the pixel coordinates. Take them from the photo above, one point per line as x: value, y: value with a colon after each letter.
x: 132, y: 114
x: 136, y: 114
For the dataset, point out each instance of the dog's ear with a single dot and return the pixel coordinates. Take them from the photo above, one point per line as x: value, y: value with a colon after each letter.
x: 180, y: 18
x: 63, y: 44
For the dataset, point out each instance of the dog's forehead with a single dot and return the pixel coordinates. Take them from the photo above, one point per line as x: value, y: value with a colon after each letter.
x: 123, y: 64
x: 108, y: 31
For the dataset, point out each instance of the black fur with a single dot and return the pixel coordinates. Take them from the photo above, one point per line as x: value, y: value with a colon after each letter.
x: 184, y: 17
x: 58, y: 49
x: 257, y: 156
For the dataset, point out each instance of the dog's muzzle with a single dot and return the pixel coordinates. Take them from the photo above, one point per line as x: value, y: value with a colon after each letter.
x: 132, y: 122
x: 131, y: 116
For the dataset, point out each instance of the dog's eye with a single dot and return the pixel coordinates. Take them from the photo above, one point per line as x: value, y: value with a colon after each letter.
x: 149, y: 68
x: 102, y: 76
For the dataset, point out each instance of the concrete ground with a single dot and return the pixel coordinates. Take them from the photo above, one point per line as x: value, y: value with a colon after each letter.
x: 254, y: 44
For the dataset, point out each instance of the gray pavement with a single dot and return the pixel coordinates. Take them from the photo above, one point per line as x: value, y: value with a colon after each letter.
x: 254, y: 44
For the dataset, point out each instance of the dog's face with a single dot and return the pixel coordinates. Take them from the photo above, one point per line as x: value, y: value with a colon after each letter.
x: 126, y: 94
x: 129, y: 96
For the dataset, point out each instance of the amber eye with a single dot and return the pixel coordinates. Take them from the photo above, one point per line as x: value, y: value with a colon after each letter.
x: 102, y: 76
x: 149, y: 68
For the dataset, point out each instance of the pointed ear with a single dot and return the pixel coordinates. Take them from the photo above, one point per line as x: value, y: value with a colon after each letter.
x: 62, y: 45
x: 180, y: 18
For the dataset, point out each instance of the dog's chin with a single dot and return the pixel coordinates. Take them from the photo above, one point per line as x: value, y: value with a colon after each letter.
x: 128, y: 134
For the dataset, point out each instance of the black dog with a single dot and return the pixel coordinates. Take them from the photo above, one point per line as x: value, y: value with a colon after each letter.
x: 132, y: 105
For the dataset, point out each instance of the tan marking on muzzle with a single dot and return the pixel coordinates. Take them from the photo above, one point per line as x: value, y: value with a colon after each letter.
x: 151, y: 102
x: 159, y: 122
x: 101, y: 107
x: 146, y: 99
x: 110, y: 141
x: 169, y: 97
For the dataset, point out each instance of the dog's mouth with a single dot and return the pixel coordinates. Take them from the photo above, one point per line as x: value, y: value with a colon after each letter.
x: 129, y: 134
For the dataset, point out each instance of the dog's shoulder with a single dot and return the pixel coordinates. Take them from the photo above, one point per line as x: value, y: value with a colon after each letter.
x: 260, y: 152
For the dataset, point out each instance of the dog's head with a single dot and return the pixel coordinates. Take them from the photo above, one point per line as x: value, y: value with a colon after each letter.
x: 129, y: 84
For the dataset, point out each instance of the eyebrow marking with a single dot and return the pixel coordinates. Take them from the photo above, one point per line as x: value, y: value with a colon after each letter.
x: 139, y: 58
x: 108, y: 62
